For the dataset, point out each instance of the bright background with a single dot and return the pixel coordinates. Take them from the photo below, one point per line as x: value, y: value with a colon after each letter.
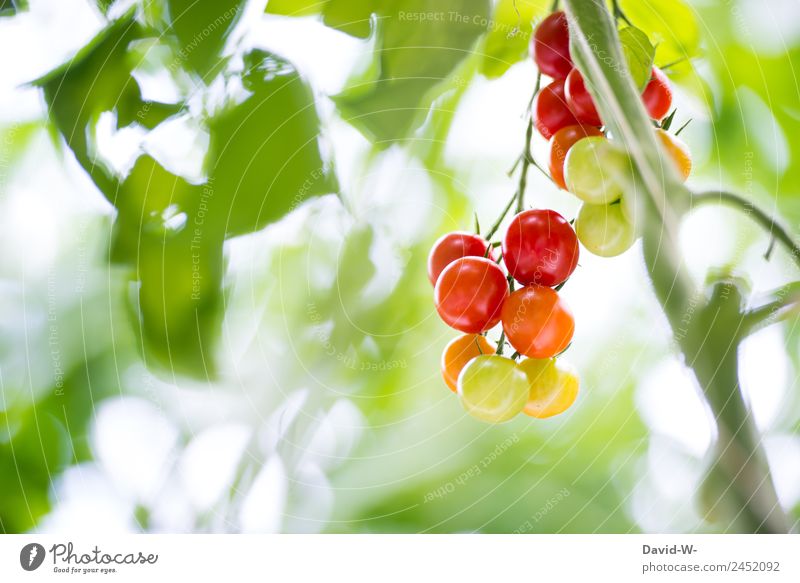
x: 328, y: 413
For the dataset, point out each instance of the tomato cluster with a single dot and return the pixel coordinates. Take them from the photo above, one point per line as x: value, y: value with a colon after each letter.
x: 473, y: 294
x: 476, y: 290
x: 582, y: 159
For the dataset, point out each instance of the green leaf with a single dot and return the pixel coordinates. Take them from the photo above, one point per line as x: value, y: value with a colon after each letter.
x: 353, y: 18
x: 296, y: 7
x: 201, y: 29
x: 639, y: 54
x: 264, y: 155
x: 509, y: 36
x: 670, y: 24
x: 417, y: 48
x: 11, y: 7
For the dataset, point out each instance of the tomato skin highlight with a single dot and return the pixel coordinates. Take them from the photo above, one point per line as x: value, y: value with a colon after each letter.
x: 469, y: 294
x: 550, y: 110
x: 579, y: 100
x: 678, y: 151
x: 537, y: 322
x: 493, y: 388
x: 459, y: 352
x: 454, y: 246
x: 541, y: 247
x: 553, y: 387
x: 550, y: 46
x: 657, y: 95
x: 560, y: 144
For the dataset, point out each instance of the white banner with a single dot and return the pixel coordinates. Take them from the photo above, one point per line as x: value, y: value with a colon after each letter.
x: 401, y: 558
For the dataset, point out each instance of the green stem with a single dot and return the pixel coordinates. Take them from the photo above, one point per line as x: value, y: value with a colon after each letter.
x: 768, y: 223
x: 707, y: 329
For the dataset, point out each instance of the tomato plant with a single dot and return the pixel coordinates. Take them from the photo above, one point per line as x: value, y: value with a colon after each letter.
x: 595, y: 170
x: 678, y: 152
x: 604, y: 230
x: 553, y: 387
x: 493, y: 388
x: 560, y: 144
x: 469, y: 294
x: 550, y: 110
x: 540, y: 247
x: 579, y: 100
x: 550, y: 46
x: 459, y: 352
x: 657, y: 95
x: 537, y: 322
x: 454, y: 246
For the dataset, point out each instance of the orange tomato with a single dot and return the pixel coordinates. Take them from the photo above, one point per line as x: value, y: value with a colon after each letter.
x: 678, y: 151
x: 459, y: 352
x: 537, y: 322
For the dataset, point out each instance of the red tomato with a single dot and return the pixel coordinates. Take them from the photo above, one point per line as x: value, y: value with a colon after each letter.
x: 550, y: 46
x: 469, y: 294
x: 454, y: 246
x: 580, y: 101
x: 657, y: 96
x: 560, y: 144
x: 540, y: 247
x: 550, y: 110
x: 537, y: 322
x: 459, y: 352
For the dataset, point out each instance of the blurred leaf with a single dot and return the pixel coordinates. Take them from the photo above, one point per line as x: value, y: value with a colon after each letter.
x: 264, y: 156
x: 296, y: 7
x: 670, y: 24
x: 353, y: 18
x: 11, y: 7
x: 509, y: 36
x: 417, y: 48
x: 638, y: 53
x: 201, y: 29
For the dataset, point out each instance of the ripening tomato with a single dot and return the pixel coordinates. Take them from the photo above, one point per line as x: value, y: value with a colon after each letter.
x: 604, y: 230
x: 550, y: 110
x: 459, y: 352
x: 550, y: 46
x: 493, y: 388
x: 454, y: 246
x: 560, y: 144
x: 596, y: 170
x: 553, y: 387
x: 657, y: 95
x: 540, y: 247
x: 537, y: 322
x: 579, y: 100
x: 469, y: 294
x: 678, y: 151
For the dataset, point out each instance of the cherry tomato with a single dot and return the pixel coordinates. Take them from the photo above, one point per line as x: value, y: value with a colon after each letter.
x: 459, y: 352
x: 540, y: 247
x: 604, y: 230
x: 537, y: 322
x: 596, y: 171
x: 493, y: 388
x: 580, y: 101
x: 469, y: 294
x: 454, y: 246
x: 678, y: 150
x: 657, y: 95
x: 550, y: 46
x: 553, y: 387
x: 550, y: 110
x: 560, y: 144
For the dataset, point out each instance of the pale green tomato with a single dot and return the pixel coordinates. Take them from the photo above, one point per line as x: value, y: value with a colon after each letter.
x: 553, y: 386
x: 604, y: 230
x: 596, y: 171
x: 493, y: 388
